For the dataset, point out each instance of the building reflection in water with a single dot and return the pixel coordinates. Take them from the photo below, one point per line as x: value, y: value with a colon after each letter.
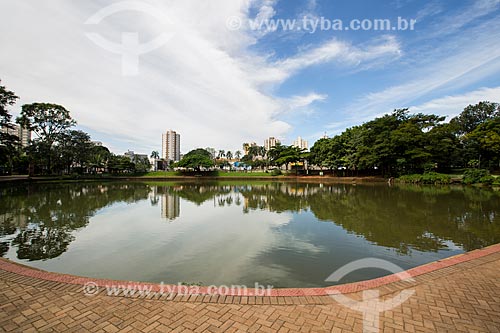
x: 170, y: 206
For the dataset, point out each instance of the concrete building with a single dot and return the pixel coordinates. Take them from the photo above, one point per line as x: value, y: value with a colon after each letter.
x: 23, y: 134
x: 270, y: 143
x: 301, y: 143
x: 246, y: 147
x: 135, y: 157
x: 171, y: 146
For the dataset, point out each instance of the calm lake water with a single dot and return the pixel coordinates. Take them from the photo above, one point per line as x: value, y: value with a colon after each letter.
x: 280, y: 234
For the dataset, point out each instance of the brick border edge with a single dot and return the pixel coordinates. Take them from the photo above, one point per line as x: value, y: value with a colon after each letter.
x: 26, y: 271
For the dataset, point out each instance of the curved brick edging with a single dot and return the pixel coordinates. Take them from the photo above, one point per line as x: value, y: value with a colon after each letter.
x: 26, y: 271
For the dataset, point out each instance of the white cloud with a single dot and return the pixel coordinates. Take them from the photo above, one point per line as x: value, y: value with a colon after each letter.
x: 469, y: 58
x: 302, y: 103
x: 453, y: 22
x: 386, y: 49
x: 204, y: 82
x: 451, y: 106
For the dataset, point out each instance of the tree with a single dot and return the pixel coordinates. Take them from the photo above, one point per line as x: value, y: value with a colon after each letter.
x: 120, y: 164
x: 221, y: 154
x: 212, y: 152
x: 473, y: 116
x: 73, y: 150
x: 48, y: 122
x: 155, y: 155
x: 7, y: 98
x: 196, y: 159
x: 283, y: 155
x: 229, y: 155
x: 486, y: 137
x: 8, y: 142
x: 237, y: 154
x: 99, y: 157
x: 141, y: 164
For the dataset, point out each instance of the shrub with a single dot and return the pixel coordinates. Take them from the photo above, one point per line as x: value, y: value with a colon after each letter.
x: 276, y: 172
x: 477, y: 176
x: 426, y: 178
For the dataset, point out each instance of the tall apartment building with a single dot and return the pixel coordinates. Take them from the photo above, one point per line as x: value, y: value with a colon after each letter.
x: 246, y: 147
x: 301, y: 143
x: 23, y: 134
x: 270, y: 143
x: 171, y: 146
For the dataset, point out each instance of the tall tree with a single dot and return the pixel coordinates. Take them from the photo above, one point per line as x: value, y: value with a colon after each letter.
x: 237, y: 154
x: 7, y: 98
x: 74, y: 150
x: 8, y: 142
x: 474, y: 115
x: 48, y: 122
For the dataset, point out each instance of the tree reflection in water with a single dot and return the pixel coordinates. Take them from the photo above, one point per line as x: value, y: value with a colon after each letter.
x: 39, y: 220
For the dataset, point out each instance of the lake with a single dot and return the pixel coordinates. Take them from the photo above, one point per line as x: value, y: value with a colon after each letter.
x: 284, y: 234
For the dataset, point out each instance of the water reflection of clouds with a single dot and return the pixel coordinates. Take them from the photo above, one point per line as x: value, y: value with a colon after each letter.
x: 241, y: 233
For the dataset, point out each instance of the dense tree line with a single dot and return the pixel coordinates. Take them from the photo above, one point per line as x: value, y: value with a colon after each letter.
x: 56, y: 146
x: 404, y: 143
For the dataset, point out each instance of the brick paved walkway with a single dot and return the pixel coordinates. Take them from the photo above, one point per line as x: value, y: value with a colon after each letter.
x: 456, y: 295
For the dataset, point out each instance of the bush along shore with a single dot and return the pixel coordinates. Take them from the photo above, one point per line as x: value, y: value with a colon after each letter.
x: 469, y: 177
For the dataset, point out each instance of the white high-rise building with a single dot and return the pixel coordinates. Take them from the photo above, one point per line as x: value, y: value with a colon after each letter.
x: 270, y: 143
x: 23, y: 134
x: 301, y: 143
x: 171, y: 146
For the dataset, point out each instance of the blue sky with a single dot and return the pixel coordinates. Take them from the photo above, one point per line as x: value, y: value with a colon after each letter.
x: 446, y: 32
x: 219, y: 86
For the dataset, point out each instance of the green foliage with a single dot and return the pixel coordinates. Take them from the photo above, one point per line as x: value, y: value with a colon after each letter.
x: 401, y: 143
x: 276, y: 172
x: 8, y: 143
x: 7, y: 98
x: 283, y: 155
x: 477, y: 176
x: 196, y: 159
x: 120, y: 164
x: 426, y: 178
x: 475, y: 115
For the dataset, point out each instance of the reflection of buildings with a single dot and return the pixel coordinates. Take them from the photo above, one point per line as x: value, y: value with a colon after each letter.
x: 170, y: 206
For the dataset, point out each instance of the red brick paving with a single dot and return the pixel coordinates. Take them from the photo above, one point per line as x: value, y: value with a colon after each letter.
x: 460, y: 294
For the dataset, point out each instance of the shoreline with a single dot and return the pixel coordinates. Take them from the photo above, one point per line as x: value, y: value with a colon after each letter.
x: 325, y: 179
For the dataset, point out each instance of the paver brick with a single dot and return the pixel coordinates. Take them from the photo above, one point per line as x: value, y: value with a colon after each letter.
x: 462, y: 297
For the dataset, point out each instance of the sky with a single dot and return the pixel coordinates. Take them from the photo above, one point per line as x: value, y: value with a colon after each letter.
x: 130, y: 70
